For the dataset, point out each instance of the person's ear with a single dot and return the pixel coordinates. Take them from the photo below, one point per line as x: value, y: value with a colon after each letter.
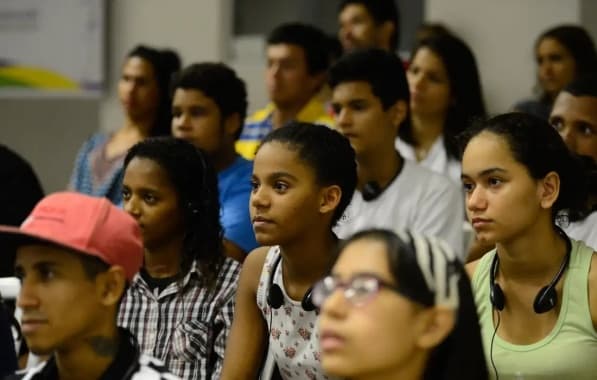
x: 232, y: 123
x: 330, y: 198
x: 436, y: 324
x: 398, y: 112
x: 548, y: 189
x: 384, y: 34
x: 111, y: 284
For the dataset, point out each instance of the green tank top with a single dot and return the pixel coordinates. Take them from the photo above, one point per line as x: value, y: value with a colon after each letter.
x: 569, y: 351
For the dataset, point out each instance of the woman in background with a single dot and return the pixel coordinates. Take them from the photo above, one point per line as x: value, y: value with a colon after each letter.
x: 143, y: 90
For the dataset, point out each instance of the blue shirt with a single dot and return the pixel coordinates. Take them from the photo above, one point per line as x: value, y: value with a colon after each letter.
x: 234, y: 186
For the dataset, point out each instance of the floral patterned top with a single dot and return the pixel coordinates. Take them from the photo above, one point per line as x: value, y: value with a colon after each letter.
x: 293, y: 332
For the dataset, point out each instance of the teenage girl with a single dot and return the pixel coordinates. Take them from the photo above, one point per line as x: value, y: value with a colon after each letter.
x: 398, y: 306
x: 144, y: 96
x: 304, y: 176
x: 180, y: 305
x: 536, y: 292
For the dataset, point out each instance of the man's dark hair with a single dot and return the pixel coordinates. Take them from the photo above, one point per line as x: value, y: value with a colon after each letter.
x: 381, y: 11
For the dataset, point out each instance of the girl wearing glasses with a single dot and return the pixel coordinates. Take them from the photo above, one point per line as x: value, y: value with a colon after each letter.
x: 398, y: 307
x: 304, y: 176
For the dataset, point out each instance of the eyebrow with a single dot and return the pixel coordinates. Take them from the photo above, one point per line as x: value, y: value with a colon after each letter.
x: 36, y: 266
x: 484, y: 173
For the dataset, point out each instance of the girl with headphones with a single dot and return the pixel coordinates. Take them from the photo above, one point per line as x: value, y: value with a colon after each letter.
x: 536, y: 292
x: 304, y: 176
x: 180, y: 305
x: 398, y: 306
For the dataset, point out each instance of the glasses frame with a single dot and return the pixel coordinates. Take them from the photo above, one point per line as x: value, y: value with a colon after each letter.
x: 320, y: 289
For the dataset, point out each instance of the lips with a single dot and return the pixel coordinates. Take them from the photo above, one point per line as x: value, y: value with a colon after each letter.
x: 480, y: 222
x: 260, y: 221
x: 330, y: 341
x: 30, y: 325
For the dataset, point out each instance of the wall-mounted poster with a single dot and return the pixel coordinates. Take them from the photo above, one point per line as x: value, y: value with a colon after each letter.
x: 50, y: 47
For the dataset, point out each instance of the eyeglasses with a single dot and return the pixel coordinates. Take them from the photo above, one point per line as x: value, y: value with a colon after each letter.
x: 359, y: 290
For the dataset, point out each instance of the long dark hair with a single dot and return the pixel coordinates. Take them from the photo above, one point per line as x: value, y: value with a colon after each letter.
x: 165, y: 64
x: 195, y: 182
x: 465, y: 88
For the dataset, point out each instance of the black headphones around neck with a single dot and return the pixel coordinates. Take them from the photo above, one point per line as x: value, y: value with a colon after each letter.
x: 275, y: 296
x: 546, y: 299
x: 371, y: 190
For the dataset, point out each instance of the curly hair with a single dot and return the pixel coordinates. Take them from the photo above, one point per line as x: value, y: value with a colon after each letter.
x: 195, y: 181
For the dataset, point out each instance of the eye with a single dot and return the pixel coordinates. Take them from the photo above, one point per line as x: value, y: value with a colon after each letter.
x: 557, y: 123
x: 494, y: 182
x: 468, y: 187
x: 46, y: 273
x: 586, y: 130
x: 336, y: 109
x: 126, y: 194
x: 280, y: 186
x: 361, y: 288
x: 254, y: 185
x: 150, y: 198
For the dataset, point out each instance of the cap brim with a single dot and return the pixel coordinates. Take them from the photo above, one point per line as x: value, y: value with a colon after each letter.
x: 11, y: 238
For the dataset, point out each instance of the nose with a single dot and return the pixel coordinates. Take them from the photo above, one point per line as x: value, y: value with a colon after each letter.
x: 181, y: 121
x: 476, y: 200
x: 27, y: 298
x: 343, y: 117
x: 568, y: 137
x: 416, y: 82
x: 131, y: 206
x: 259, y: 198
x: 335, y: 304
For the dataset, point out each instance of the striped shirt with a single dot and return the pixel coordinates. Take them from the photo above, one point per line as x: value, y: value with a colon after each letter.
x: 128, y: 364
x: 185, y: 325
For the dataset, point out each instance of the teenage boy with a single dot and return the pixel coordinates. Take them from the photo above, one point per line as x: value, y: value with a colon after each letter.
x: 209, y: 104
x: 75, y: 255
x: 370, y: 101
x: 297, y: 61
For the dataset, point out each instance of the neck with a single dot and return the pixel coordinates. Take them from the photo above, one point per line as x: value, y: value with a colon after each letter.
x: 414, y: 370
x: 284, y: 113
x: 90, y: 358
x: 164, y: 261
x: 140, y: 126
x: 426, y: 129
x: 534, y: 257
x: 307, y: 260
x: 224, y: 159
x: 379, y: 168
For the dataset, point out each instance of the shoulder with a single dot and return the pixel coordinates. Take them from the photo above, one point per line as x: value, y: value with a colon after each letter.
x: 255, y: 260
x: 592, y: 286
x: 428, y: 184
x: 260, y: 115
x: 471, y: 268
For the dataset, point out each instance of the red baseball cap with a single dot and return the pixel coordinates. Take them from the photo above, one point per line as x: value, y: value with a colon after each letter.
x: 87, y: 225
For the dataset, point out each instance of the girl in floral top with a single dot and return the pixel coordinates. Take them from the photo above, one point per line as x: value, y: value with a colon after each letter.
x: 304, y: 176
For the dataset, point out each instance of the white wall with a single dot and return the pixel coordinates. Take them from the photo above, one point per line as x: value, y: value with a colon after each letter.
x: 502, y: 34
x: 48, y: 132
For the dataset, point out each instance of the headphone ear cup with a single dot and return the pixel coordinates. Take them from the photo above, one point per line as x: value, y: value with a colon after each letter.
x: 307, y: 303
x: 275, y: 298
x: 546, y: 299
x: 496, y: 295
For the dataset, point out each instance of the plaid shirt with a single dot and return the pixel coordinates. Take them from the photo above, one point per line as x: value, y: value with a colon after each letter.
x: 186, y: 328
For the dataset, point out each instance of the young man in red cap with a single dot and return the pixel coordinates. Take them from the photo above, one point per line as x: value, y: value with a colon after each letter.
x: 74, y: 257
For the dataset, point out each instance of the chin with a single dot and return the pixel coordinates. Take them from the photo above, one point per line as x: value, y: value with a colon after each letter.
x: 39, y: 348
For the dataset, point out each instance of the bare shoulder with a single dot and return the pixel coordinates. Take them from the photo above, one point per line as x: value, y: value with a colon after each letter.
x: 471, y: 268
x: 253, y: 265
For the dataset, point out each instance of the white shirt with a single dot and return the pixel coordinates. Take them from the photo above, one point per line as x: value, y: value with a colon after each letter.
x: 437, y: 158
x: 584, y: 230
x: 419, y: 200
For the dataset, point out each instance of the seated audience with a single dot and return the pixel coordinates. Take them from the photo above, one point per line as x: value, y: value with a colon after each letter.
x: 536, y: 292
x: 143, y: 93
x: 404, y: 310
x: 297, y: 60
x: 75, y: 256
x: 563, y: 53
x: 370, y: 99
x: 180, y: 305
x: 209, y: 103
x: 303, y: 178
